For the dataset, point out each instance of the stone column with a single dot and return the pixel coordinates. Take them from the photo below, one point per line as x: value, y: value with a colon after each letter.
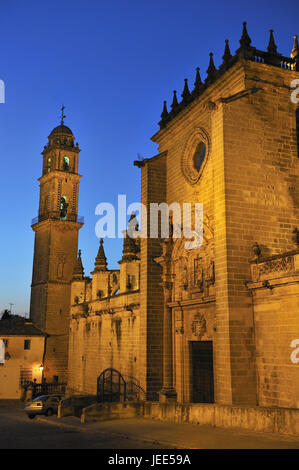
x: 167, y: 393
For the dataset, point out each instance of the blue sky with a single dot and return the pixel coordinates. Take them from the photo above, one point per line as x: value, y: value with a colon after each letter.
x: 112, y: 64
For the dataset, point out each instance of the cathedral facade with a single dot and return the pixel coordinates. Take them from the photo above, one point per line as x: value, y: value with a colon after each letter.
x: 218, y: 323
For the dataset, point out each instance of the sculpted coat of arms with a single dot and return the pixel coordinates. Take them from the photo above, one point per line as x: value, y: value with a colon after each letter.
x: 199, y: 326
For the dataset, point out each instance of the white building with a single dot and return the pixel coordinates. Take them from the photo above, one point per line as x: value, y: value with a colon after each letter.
x: 23, y: 357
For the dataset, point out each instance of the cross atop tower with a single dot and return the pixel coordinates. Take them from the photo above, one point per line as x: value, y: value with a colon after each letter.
x: 62, y: 115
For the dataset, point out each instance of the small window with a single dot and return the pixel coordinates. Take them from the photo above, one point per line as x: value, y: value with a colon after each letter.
x: 100, y: 294
x: 27, y: 343
x: 199, y: 156
x: 5, y: 341
x: 55, y: 379
x: 130, y: 282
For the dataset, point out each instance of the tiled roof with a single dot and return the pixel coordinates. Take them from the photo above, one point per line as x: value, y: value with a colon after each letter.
x: 19, y: 326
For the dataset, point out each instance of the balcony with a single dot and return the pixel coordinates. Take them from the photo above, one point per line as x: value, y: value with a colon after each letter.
x: 55, y: 215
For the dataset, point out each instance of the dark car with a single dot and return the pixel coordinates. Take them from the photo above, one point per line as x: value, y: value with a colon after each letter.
x: 43, y: 405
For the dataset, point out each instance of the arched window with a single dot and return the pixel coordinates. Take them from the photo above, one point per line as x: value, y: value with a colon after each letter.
x: 66, y: 164
x: 63, y: 207
x: 100, y: 294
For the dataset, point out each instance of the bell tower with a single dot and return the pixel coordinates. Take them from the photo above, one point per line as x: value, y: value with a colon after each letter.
x: 56, y: 241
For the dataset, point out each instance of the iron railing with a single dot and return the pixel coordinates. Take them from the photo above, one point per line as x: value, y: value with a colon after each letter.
x: 55, y: 215
x: 112, y: 386
x: 44, y: 388
x: 134, y: 391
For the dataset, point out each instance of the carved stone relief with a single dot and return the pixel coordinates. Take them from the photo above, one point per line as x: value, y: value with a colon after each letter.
x: 198, y: 273
x: 199, y: 327
x: 184, y: 278
x: 60, y: 266
x: 272, y: 268
x: 210, y: 277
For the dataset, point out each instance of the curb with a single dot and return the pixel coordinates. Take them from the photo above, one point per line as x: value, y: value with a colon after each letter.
x: 58, y: 423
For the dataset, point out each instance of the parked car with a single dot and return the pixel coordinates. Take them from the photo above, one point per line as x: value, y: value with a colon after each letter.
x: 43, y: 405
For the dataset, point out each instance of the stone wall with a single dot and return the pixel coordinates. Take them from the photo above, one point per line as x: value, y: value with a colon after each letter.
x: 258, y: 419
x: 107, y: 337
x: 153, y: 178
x: 275, y: 293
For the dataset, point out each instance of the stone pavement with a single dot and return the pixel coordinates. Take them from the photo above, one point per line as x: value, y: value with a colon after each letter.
x: 19, y: 432
x: 181, y: 436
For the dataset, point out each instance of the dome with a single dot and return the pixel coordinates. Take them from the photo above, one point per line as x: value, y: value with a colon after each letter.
x: 62, y: 129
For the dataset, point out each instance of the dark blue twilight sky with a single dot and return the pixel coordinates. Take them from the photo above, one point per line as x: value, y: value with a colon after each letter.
x: 112, y: 64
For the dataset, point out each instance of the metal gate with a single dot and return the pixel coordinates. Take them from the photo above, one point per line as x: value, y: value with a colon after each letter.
x: 111, y: 386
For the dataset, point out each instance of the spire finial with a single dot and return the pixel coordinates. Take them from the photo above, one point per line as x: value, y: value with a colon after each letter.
x: 131, y: 244
x: 62, y: 115
x: 198, y: 85
x: 245, y: 40
x: 186, y: 93
x: 78, y: 273
x: 101, y: 260
x: 295, y: 50
x: 211, y: 71
x: 132, y: 224
x: 164, y: 114
x: 272, y: 48
x: 174, y: 103
x: 227, y: 55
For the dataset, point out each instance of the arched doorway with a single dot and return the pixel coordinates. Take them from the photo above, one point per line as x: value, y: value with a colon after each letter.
x: 111, y: 386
